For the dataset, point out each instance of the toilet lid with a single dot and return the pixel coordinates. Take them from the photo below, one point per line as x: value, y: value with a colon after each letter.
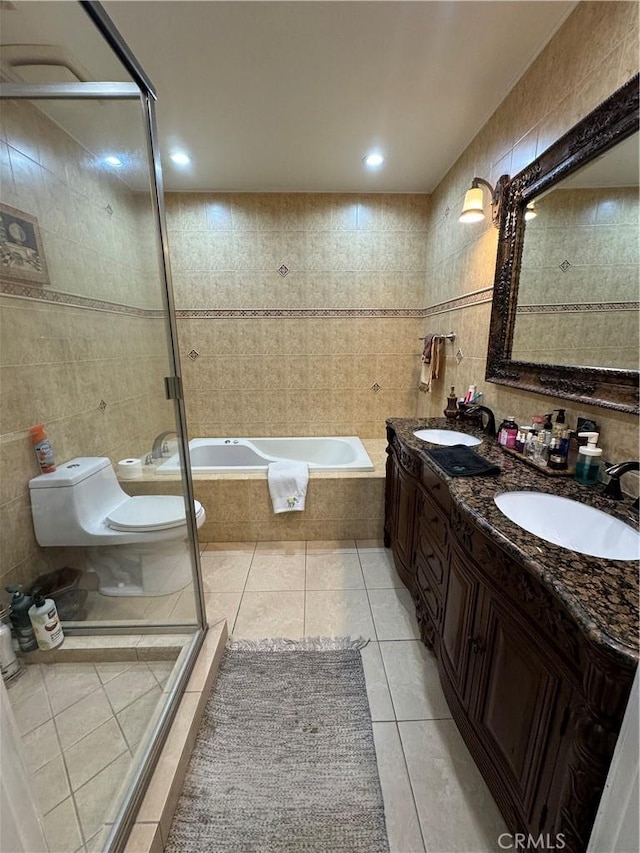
x: 150, y: 512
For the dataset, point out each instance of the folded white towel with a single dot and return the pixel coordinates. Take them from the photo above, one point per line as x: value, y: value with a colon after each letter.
x: 288, y: 485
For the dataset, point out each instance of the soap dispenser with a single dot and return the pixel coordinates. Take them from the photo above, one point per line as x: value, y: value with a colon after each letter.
x: 452, y: 411
x: 588, y: 464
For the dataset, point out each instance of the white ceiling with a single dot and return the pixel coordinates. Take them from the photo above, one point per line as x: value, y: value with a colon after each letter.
x: 289, y: 96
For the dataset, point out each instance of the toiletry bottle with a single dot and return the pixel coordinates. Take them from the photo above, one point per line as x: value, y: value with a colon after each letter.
x: 547, y: 429
x: 45, y: 621
x: 588, y: 464
x: 557, y: 458
x: 469, y: 396
x: 560, y: 425
x: 507, y: 432
x: 19, y: 616
x: 522, y: 438
x: 9, y: 665
x: 43, y: 449
x: 451, y: 412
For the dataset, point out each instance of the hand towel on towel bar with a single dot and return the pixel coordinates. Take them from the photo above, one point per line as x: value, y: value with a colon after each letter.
x: 430, y: 361
x: 288, y: 485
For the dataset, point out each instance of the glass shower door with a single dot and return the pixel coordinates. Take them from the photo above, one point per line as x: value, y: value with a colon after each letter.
x: 89, y: 350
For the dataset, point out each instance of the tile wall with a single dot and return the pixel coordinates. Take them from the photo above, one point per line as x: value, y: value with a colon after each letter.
x: 84, y: 354
x: 300, y: 311
x: 593, y: 54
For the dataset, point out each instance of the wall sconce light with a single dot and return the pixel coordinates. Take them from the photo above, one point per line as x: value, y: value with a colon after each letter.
x: 473, y: 207
x: 530, y: 211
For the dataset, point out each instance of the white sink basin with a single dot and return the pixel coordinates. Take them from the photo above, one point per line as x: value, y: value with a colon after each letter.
x: 571, y: 524
x: 447, y: 437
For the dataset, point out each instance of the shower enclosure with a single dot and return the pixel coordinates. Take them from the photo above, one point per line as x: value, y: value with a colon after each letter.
x: 89, y: 348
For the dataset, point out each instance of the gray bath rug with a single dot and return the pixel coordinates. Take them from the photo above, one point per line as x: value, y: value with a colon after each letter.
x: 284, y: 761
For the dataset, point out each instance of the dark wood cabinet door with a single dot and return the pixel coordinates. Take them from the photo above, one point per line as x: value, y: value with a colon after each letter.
x: 458, y: 640
x: 516, y: 706
x: 400, y: 511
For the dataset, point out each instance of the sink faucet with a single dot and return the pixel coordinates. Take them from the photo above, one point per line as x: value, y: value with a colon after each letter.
x: 612, y: 489
x: 159, y: 447
x: 490, y: 427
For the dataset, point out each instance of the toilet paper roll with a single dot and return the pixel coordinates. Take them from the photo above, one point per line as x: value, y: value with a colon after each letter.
x: 129, y: 469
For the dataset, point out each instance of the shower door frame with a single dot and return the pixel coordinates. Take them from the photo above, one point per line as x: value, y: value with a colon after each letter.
x: 142, y: 91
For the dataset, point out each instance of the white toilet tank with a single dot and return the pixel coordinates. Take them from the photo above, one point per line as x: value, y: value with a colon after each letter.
x: 69, y: 503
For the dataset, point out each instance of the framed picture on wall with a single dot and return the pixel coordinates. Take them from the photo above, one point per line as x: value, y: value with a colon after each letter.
x: 21, y: 254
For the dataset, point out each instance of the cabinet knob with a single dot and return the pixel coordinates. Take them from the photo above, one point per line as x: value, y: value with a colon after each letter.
x: 476, y: 645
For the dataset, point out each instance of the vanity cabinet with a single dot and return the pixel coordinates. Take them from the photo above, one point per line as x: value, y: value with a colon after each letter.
x: 537, y: 700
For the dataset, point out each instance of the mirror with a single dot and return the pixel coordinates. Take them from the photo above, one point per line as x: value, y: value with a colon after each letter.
x: 565, y: 317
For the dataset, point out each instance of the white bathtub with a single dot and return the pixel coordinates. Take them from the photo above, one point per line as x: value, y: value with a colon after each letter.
x: 255, y: 454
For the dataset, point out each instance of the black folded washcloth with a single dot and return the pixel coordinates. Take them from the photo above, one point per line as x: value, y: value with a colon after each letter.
x: 461, y: 461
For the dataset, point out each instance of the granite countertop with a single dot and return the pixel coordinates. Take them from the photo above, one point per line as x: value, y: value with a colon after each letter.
x: 601, y: 594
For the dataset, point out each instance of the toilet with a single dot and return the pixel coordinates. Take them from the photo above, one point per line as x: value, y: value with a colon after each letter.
x: 136, y: 545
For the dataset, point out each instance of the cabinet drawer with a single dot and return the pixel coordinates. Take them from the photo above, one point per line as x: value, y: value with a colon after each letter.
x: 436, y: 487
x: 430, y: 598
x: 432, y: 537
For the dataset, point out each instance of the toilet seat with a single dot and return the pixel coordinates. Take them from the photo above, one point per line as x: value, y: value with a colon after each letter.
x: 146, y: 513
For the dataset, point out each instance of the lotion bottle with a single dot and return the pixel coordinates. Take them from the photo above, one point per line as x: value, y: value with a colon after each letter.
x: 46, y: 624
x: 588, y: 464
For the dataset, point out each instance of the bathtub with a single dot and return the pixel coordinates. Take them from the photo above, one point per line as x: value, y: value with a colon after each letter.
x: 254, y: 454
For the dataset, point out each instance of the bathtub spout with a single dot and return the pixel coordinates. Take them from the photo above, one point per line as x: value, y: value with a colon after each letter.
x: 159, y: 447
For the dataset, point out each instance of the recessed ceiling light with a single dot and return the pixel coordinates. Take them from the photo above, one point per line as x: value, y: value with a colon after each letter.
x: 113, y: 161
x: 373, y: 160
x: 180, y: 158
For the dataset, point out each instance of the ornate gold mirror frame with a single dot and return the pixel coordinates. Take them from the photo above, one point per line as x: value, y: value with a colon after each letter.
x: 610, y: 123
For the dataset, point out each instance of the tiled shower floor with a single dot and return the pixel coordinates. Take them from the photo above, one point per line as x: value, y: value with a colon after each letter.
x: 80, y: 725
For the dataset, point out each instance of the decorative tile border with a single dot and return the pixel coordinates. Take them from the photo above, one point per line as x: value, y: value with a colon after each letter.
x: 71, y: 300
x: 57, y: 297
x: 475, y: 298
x: 294, y: 313
x: 579, y: 307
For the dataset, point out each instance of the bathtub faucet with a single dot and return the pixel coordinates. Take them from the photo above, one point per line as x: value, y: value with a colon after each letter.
x: 159, y: 447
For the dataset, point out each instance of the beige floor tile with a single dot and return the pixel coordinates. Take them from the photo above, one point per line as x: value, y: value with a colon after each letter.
x: 136, y: 717
x: 338, y: 613
x: 223, y: 572
x: 274, y: 572
x: 331, y: 546
x: 86, y: 715
x: 99, y: 796
x: 270, y: 614
x: 66, y: 683
x: 378, y: 569
x: 280, y: 549
x: 222, y: 605
x: 40, y: 746
x: 456, y: 810
x: 32, y: 711
x: 128, y: 686
x: 403, y: 827
x: 96, y: 843
x: 161, y: 670
x: 334, y: 571
x: 377, y: 688
x: 414, y: 682
x: 236, y: 548
x: 61, y: 828
x: 394, y: 614
x: 30, y: 681
x: 94, y: 752
x: 184, y: 609
x: 50, y: 785
x: 107, y: 670
x: 144, y: 838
